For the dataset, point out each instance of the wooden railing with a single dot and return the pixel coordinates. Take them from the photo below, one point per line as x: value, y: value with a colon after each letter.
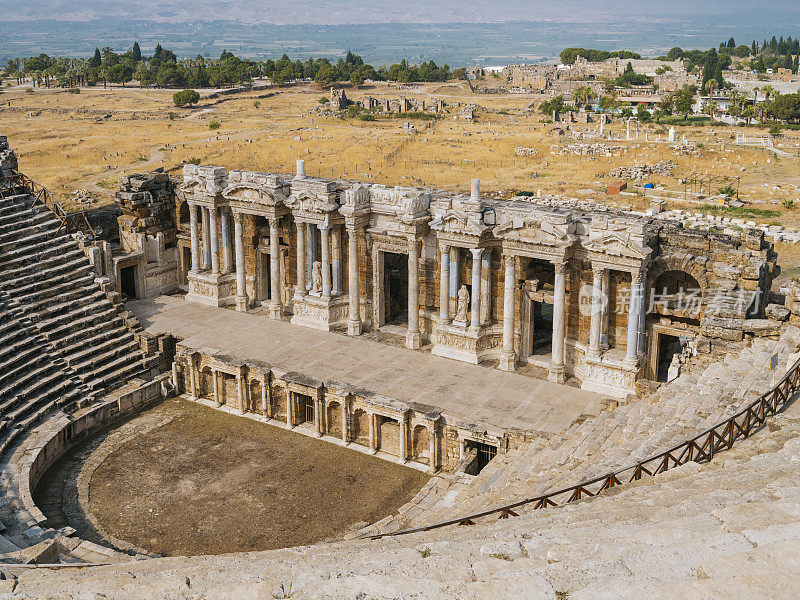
x: 700, y: 448
x: 71, y: 222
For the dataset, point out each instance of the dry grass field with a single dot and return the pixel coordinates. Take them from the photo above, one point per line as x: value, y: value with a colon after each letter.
x: 87, y: 141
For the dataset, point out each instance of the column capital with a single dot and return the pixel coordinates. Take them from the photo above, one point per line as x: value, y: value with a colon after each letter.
x: 476, y: 252
x: 238, y: 217
x: 560, y: 267
x: 509, y: 259
x: 598, y: 270
x: 637, y: 277
x: 444, y: 249
x: 323, y: 227
x: 413, y: 242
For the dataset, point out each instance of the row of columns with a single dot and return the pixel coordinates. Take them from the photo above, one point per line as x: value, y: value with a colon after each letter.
x: 208, y: 257
x: 449, y: 284
x: 508, y: 355
x: 330, y: 257
x: 319, y: 412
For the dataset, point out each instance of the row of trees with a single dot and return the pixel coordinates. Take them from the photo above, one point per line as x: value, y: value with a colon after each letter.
x: 352, y: 68
x: 163, y: 69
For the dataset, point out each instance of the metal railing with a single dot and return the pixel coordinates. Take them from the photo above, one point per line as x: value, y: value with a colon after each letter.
x: 71, y: 222
x: 700, y: 448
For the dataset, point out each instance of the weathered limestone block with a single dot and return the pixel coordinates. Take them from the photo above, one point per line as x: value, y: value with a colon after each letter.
x: 762, y: 327
x: 777, y: 312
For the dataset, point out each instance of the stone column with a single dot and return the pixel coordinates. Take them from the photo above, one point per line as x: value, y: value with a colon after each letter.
x: 345, y: 412
x: 275, y: 309
x: 325, y: 243
x: 444, y: 285
x: 193, y: 379
x: 559, y: 324
x: 241, y: 394
x: 353, y: 289
x: 265, y: 404
x: 605, y: 290
x: 635, y: 308
x: 336, y: 260
x: 486, y: 286
x: 373, y: 446
x: 432, y: 430
x: 508, y: 358
x: 300, y: 289
x: 215, y: 383
x: 238, y: 240
x: 597, y: 307
x: 289, y: 409
x: 319, y: 411
x: 642, y: 314
x: 454, y: 272
x: 475, y: 301
x: 227, y: 263
x: 195, y: 238
x: 206, y: 240
x: 413, y: 336
x: 404, y: 438
x: 214, y: 231
x: 311, y: 254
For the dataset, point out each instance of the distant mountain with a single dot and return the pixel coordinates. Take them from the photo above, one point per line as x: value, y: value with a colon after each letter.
x: 330, y: 12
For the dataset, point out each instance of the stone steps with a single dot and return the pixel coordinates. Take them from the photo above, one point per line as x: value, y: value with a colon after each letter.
x: 694, y: 402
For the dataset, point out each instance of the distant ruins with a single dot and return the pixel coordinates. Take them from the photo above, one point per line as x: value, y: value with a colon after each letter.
x: 340, y: 101
x: 565, y: 79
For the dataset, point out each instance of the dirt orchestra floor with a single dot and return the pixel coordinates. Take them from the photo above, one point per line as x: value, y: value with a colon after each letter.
x: 207, y: 482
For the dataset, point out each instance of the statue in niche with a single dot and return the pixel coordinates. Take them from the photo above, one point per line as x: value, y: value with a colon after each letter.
x: 461, y: 306
x: 316, y: 277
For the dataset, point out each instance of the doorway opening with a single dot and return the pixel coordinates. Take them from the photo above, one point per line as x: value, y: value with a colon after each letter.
x: 128, y: 282
x: 483, y: 454
x: 542, y: 328
x: 187, y: 265
x: 265, y: 282
x: 305, y: 406
x: 395, y: 286
x: 668, y: 346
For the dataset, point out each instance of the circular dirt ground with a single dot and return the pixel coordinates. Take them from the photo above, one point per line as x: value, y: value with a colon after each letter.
x: 208, y: 482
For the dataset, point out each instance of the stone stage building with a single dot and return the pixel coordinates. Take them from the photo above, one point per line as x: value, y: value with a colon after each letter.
x: 607, y: 297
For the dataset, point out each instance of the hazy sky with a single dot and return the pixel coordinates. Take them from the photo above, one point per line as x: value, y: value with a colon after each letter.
x: 785, y: 13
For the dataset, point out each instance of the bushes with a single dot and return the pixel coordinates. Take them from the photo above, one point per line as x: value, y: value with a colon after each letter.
x: 185, y: 98
x: 214, y: 125
x: 367, y: 117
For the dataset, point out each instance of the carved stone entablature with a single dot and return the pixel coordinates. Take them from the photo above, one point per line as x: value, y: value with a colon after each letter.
x: 536, y: 238
x: 255, y: 190
x: 386, y: 242
x: 465, y: 221
x: 355, y: 201
x: 409, y: 205
x: 313, y: 198
x: 618, y: 250
x: 203, y: 185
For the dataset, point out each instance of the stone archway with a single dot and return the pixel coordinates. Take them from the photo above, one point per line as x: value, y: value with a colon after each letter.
x: 359, y: 432
x: 390, y: 437
x: 421, y: 444
x: 206, y: 384
x: 254, y: 397
x: 278, y: 402
x: 333, y: 415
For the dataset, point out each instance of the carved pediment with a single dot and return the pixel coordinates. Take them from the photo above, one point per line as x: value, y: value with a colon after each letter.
x: 249, y: 192
x: 534, y: 231
x: 312, y: 203
x: 618, y: 244
x: 457, y: 221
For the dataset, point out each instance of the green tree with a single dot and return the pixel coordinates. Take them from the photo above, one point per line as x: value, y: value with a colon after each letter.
x: 325, y: 77
x: 185, y: 98
x: 136, y: 52
x: 95, y: 61
x: 684, y: 100
x: 357, y: 78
